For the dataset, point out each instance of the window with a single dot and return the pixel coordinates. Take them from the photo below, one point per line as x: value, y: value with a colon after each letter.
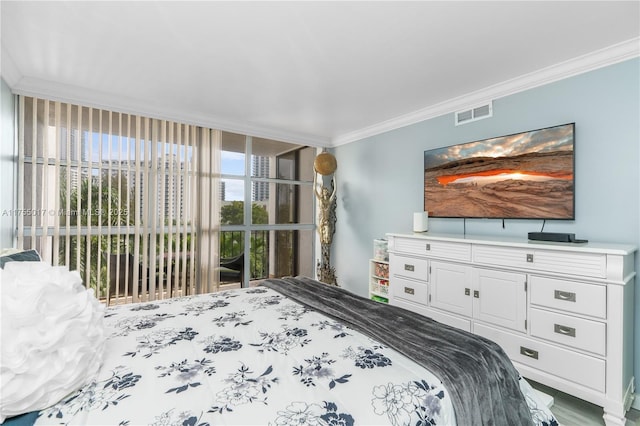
x: 122, y: 199
x: 267, y: 204
x: 149, y: 209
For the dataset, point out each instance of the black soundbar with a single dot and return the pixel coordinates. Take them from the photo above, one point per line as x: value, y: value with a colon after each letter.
x: 557, y: 237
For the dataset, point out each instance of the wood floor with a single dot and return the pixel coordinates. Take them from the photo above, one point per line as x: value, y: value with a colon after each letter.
x: 571, y: 411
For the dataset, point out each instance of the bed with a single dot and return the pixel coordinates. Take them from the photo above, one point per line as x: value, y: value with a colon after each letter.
x: 294, y: 351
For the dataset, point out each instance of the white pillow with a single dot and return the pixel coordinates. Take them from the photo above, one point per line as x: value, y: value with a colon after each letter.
x: 8, y: 251
x: 52, y: 336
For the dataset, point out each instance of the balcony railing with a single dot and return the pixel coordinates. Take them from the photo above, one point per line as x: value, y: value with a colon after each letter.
x: 106, y: 263
x: 232, y: 246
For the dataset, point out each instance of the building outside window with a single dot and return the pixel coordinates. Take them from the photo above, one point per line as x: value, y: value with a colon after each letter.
x: 147, y: 209
x: 268, y: 209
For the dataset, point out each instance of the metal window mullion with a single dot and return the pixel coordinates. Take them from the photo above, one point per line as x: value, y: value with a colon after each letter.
x: 274, y: 227
x: 247, y: 213
x: 215, y: 152
x: 84, y: 231
x: 209, y: 168
x: 65, y: 163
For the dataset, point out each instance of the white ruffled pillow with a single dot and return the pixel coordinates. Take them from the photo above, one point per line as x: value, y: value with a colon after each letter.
x: 53, y: 336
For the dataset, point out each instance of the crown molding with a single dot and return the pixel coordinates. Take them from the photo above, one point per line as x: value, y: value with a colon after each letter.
x: 61, y: 92
x: 73, y: 94
x: 600, y: 58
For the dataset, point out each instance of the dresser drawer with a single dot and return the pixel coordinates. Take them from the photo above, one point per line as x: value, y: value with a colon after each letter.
x: 501, y: 256
x: 410, y: 267
x: 569, y: 296
x: 571, y: 331
x: 581, y: 369
x: 431, y: 248
x: 580, y: 264
x: 409, y: 290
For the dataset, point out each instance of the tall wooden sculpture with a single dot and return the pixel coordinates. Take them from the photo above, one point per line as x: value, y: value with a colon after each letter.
x: 325, y: 165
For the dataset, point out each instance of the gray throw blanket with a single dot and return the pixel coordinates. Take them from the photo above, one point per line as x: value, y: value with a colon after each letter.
x: 478, y: 375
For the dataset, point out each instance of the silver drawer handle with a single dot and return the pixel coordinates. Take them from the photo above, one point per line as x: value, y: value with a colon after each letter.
x: 567, y: 331
x: 528, y: 352
x: 564, y: 295
x: 409, y: 290
x: 427, y: 247
x: 409, y: 268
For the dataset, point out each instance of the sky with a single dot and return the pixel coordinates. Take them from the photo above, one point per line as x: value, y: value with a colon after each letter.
x: 232, y: 163
x: 559, y: 138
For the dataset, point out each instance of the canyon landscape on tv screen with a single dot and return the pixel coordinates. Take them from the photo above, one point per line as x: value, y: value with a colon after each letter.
x: 528, y: 175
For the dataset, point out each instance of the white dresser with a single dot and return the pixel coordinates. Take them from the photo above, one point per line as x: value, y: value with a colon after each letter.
x: 563, y: 312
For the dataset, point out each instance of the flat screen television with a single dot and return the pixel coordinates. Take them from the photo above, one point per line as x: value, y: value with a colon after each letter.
x: 528, y: 175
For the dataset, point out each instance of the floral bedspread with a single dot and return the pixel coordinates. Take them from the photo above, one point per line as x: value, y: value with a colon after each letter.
x: 252, y: 356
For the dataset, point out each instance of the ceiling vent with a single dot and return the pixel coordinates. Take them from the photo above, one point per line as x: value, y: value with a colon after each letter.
x: 474, y: 114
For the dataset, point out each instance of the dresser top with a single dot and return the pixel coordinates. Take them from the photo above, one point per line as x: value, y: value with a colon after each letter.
x: 590, y: 247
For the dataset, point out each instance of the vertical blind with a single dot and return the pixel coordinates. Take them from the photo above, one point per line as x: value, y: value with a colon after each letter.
x: 128, y: 201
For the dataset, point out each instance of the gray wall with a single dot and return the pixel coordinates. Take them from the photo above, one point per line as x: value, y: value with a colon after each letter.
x: 7, y: 166
x: 380, y: 179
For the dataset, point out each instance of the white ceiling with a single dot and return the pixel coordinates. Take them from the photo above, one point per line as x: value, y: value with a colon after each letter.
x: 318, y: 73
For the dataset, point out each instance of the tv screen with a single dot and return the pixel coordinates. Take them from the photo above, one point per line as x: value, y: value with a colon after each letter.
x: 528, y: 175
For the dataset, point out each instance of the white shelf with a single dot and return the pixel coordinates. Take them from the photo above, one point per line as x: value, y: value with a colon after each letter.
x: 375, y: 278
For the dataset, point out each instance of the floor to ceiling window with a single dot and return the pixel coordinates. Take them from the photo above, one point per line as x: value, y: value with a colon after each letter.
x: 122, y: 199
x: 148, y: 209
x: 267, y: 211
